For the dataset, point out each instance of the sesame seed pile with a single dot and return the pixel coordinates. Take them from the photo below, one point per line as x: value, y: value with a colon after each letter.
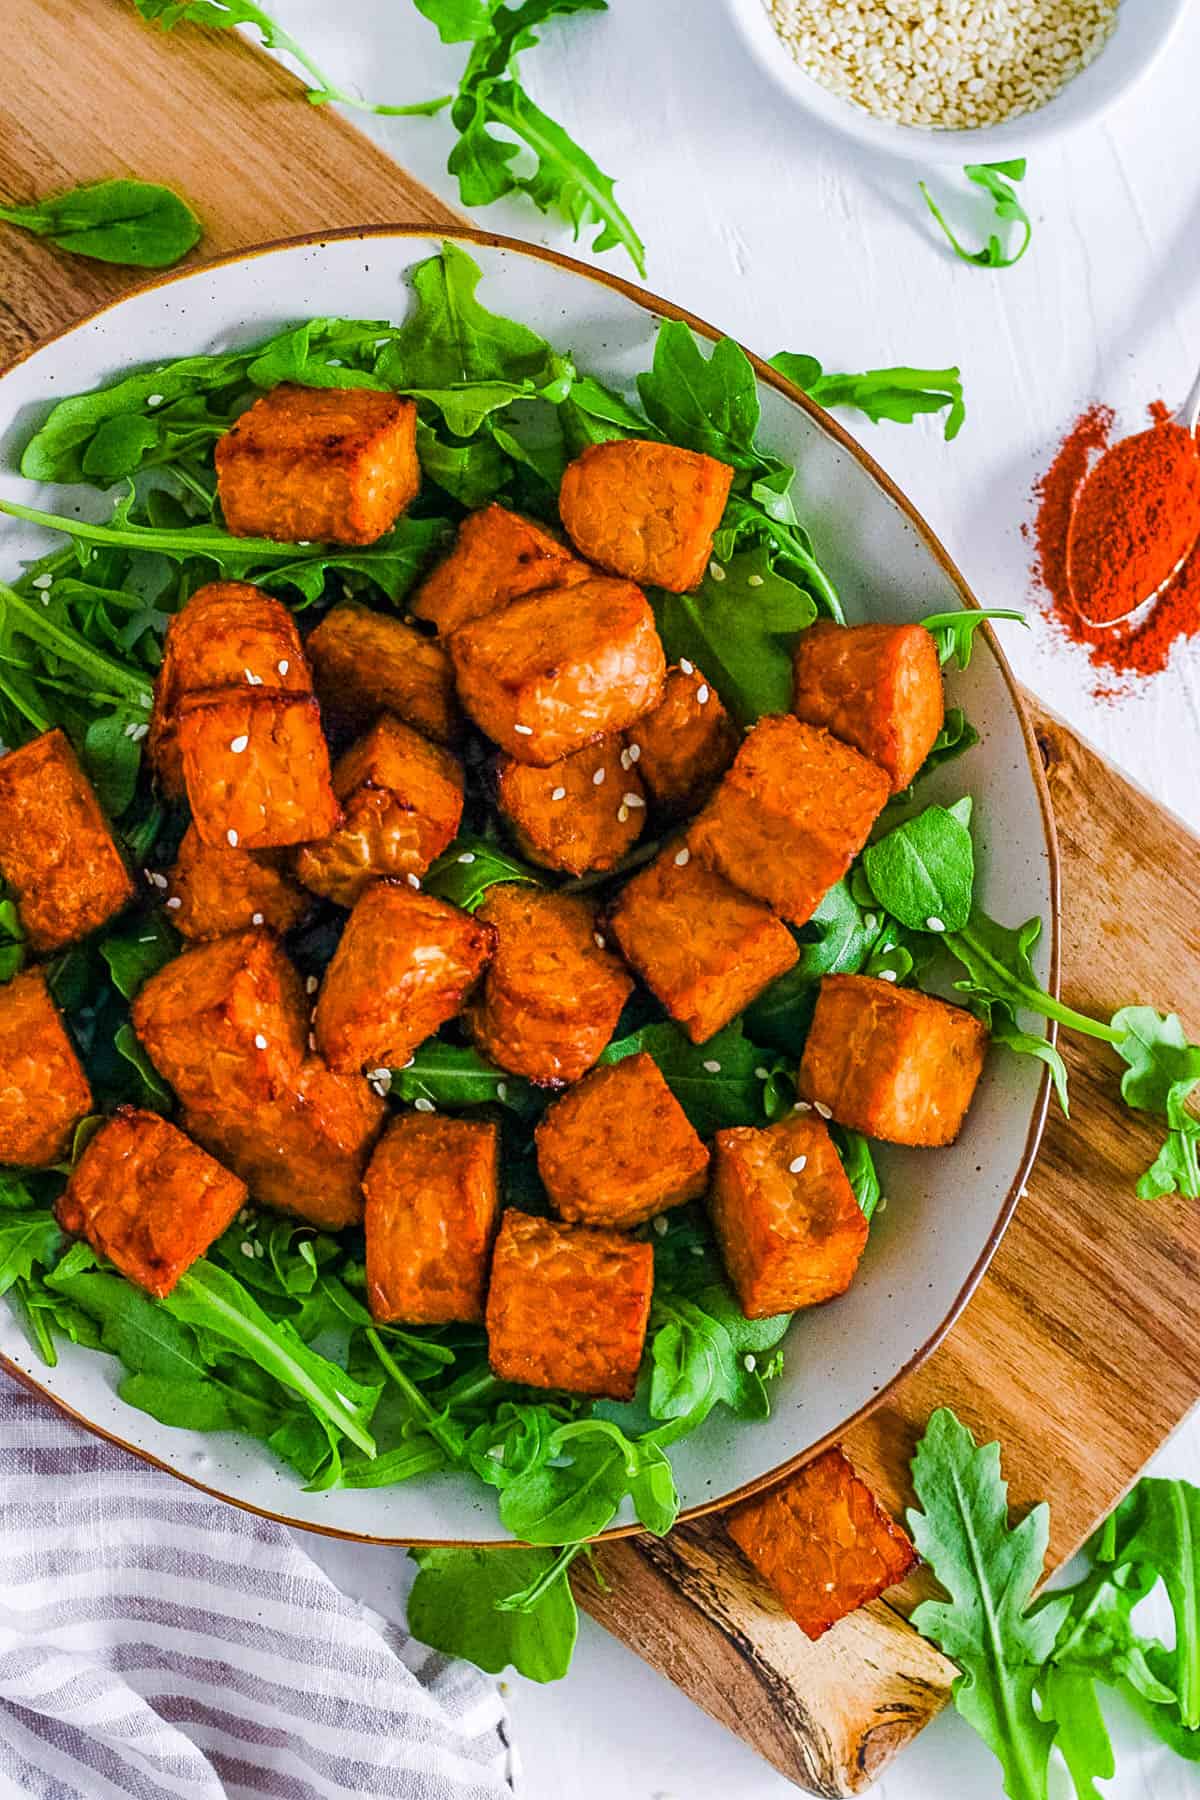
x: 944, y: 63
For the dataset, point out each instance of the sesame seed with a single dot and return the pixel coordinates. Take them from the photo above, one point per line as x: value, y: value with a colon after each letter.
x: 139, y: 732
x: 502, y: 1090
x: 599, y: 941
x: 802, y: 1106
x: 246, y: 1247
x: 408, y: 1062
x: 423, y: 1105
x: 260, y: 1249
x: 754, y: 581
x: 933, y: 923
x: 716, y: 571
x: 238, y: 744
x: 763, y: 1074
x: 252, y: 678
x: 256, y: 919
x: 311, y: 985
x: 174, y: 902
x: 689, y: 668
x: 697, y: 1249
x: 147, y: 940
x: 702, y: 693
x: 131, y: 729
x: 304, y: 543
x: 661, y: 1226
x: 155, y: 399
x: 822, y: 1109
x: 634, y: 801
x: 414, y: 881
x: 154, y: 878
x: 43, y: 581
x: 622, y: 814
x: 145, y: 700
x: 380, y: 1079
x: 626, y: 760
x: 598, y: 778
x: 232, y: 837
x: 798, y: 1165
x: 869, y: 921
x: 749, y: 1362
x: 713, y: 1068
x: 283, y: 666
x: 523, y: 730
x: 260, y: 1042
x: 560, y: 793
x: 682, y: 858
x: 468, y: 856
x: 634, y: 751
x: 887, y: 974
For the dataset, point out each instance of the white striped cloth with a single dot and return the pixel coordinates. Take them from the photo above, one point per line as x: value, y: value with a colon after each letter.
x: 158, y: 1645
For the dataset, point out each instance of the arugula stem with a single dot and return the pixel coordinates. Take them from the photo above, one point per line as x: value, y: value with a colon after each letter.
x: 1187, y: 1662
x: 33, y: 623
x: 434, y: 1422
x: 1036, y: 999
x: 39, y: 720
x: 191, y: 540
x: 527, y: 1598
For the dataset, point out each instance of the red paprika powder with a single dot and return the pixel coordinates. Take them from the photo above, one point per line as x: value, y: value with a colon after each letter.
x: 1121, y: 550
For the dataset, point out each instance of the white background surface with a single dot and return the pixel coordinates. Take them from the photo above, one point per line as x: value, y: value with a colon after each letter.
x: 789, y: 238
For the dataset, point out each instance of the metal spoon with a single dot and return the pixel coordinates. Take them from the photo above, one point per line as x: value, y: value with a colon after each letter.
x: 1188, y: 415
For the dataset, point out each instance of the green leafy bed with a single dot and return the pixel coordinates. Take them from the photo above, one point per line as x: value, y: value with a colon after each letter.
x: 268, y: 1335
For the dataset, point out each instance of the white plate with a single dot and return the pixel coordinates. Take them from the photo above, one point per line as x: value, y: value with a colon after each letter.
x: 1138, y: 39
x: 947, y: 1208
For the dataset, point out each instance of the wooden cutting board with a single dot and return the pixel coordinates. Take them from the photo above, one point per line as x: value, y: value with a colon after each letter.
x: 1081, y: 1347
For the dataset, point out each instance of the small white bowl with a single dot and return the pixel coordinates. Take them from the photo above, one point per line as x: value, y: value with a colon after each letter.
x: 1141, y: 35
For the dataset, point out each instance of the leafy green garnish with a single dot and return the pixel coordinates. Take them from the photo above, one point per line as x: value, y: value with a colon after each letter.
x: 954, y: 632
x: 996, y: 181
x: 740, y: 629
x: 723, y: 1082
x: 458, y: 1605
x: 464, y: 873
x: 923, y: 872
x: 135, y: 223
x: 451, y: 1076
x: 1163, y: 1070
x: 898, y: 394
x: 564, y: 179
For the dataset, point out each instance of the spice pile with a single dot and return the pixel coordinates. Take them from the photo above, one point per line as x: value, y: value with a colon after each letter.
x: 1119, y: 581
x: 944, y: 63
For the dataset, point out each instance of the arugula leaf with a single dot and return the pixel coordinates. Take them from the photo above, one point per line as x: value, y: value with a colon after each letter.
x: 28, y: 1240
x: 999, y: 972
x: 897, y: 394
x: 134, y: 956
x: 954, y: 632
x: 135, y: 223
x: 226, y: 14
x: 450, y: 1075
x: 987, y: 1624
x: 455, y: 1607
x: 1163, y: 1070
x: 738, y: 626
x: 464, y: 873
x: 1070, y: 1703
x: 718, y: 1083
x: 1157, y: 1527
x: 699, y: 1355
x: 703, y: 403
x: 996, y: 181
x: 923, y: 872
x: 859, y: 1165
x: 574, y: 1493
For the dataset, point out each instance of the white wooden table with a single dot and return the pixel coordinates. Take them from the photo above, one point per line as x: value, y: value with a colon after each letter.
x: 790, y: 239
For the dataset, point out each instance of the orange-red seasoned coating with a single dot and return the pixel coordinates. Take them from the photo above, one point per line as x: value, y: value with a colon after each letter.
x: 552, y: 996
x: 213, y: 890
x: 892, y: 1062
x: 330, y: 465
x: 228, y: 635
x: 43, y: 1090
x: 402, y: 797
x: 645, y: 510
x: 685, y: 745
x: 366, y: 663
x: 584, y: 812
x: 703, y: 948
x: 433, y: 1203
x: 822, y: 1541
x: 57, y: 853
x: 568, y: 1306
x: 550, y: 673
x: 790, y: 816
x: 789, y: 1228
x: 149, y: 1199
x: 878, y: 687
x: 498, y: 556
x: 305, y: 1150
x: 256, y: 766
x: 618, y: 1149
x: 405, y: 964
x: 225, y: 1023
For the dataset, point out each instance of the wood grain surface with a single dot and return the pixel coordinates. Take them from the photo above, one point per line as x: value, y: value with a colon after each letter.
x: 1080, y: 1350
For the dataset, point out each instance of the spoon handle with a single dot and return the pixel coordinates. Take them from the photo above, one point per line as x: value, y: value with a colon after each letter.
x: 1189, y: 412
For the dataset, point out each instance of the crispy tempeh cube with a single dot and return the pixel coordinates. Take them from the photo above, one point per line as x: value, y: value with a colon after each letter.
x: 645, y: 510
x: 703, y: 948
x: 568, y: 1306
x: 256, y: 766
x: 890, y: 1061
x: 822, y: 1541
x: 551, y: 999
x: 213, y: 890
x: 790, y: 816
x: 57, y: 853
x: 304, y: 1150
x: 785, y: 1217
x: 685, y: 745
x: 405, y: 964
x: 149, y: 1199
x: 878, y: 687
x: 44, y: 1092
x: 366, y: 663
x: 433, y: 1204
x: 228, y: 635
x: 618, y: 1149
x: 553, y: 672
x: 403, y: 799
x: 327, y: 465
x: 498, y: 556
x: 584, y: 812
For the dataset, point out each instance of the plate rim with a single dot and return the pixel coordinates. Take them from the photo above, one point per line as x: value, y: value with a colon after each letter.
x: 661, y: 308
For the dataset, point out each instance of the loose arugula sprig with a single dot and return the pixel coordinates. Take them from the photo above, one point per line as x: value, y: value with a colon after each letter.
x: 996, y: 180
x: 134, y: 223
x: 224, y: 15
x: 564, y: 178
x: 899, y: 394
x: 1030, y: 1668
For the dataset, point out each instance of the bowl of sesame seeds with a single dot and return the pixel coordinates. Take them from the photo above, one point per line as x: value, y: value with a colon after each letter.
x: 954, y: 79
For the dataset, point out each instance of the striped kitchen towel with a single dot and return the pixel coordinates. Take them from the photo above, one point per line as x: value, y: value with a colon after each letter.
x: 158, y: 1645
